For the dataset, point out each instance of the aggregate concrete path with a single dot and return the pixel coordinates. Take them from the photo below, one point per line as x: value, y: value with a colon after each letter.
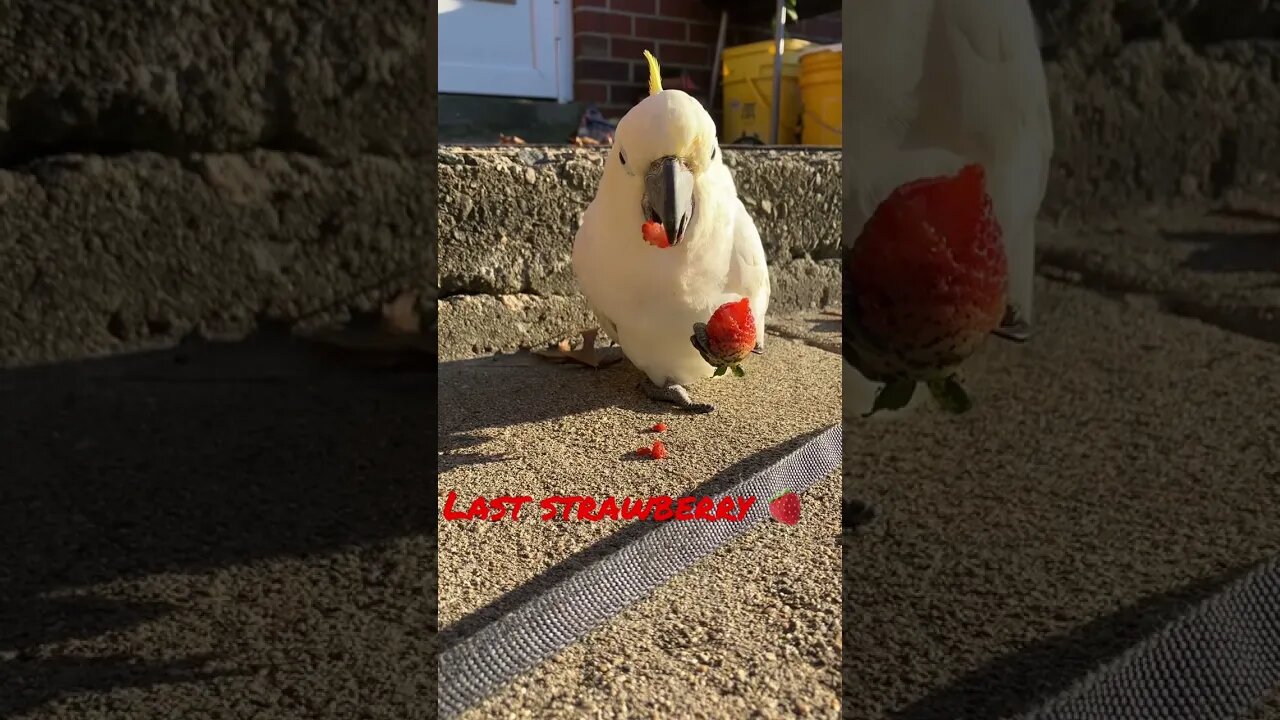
x: 1114, y: 470
x: 238, y: 531
x: 217, y: 531
x: 752, y: 628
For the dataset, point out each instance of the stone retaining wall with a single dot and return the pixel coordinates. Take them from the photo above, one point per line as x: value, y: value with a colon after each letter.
x: 169, y: 168
x: 509, y: 216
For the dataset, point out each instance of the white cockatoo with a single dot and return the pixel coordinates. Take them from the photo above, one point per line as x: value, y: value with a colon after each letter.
x: 665, y: 167
x: 933, y: 85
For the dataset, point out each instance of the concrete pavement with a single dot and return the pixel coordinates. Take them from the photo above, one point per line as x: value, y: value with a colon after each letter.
x: 752, y: 628
x: 1120, y: 466
x: 216, y: 531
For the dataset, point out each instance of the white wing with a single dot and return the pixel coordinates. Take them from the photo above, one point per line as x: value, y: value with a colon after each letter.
x: 886, y: 42
x: 933, y: 85
x: 589, y: 270
x: 749, y: 269
x: 984, y: 96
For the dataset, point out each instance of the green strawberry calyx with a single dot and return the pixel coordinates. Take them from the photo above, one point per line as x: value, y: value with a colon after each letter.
x: 946, y: 391
x: 735, y: 367
x: 703, y: 345
x: 893, y: 396
x: 950, y: 394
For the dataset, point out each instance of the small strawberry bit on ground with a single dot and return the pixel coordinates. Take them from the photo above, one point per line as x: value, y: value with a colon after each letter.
x: 660, y: 427
x: 655, y: 234
x: 659, y: 450
x: 644, y: 451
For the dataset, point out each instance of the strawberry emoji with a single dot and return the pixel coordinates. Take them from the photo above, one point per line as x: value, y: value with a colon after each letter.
x: 785, y: 507
x: 727, y: 338
x: 655, y: 234
x: 924, y: 284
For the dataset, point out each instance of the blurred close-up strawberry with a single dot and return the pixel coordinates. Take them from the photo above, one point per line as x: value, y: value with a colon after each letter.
x: 924, y: 284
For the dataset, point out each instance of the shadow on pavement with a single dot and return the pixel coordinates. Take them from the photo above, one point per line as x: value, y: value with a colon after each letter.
x: 186, y: 461
x: 497, y: 391
x: 1014, y: 684
x: 510, y: 601
x: 1241, y: 252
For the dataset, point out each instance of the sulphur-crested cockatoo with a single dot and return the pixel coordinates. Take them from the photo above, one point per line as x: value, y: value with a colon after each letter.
x: 932, y: 85
x: 665, y: 166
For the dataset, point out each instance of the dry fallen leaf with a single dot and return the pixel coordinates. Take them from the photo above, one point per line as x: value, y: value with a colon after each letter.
x: 400, y: 316
x: 587, y: 355
x: 397, y: 341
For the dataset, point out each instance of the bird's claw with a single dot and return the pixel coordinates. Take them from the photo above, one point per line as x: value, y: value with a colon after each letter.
x: 1013, y: 327
x: 676, y: 395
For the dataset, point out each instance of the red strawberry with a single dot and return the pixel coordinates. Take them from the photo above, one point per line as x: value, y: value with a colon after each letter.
x: 660, y: 427
x: 654, y: 234
x: 659, y: 450
x: 644, y: 451
x: 728, y: 337
x: 925, y: 283
x: 785, y: 507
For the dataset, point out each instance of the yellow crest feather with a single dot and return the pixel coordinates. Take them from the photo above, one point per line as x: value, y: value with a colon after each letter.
x: 655, y: 74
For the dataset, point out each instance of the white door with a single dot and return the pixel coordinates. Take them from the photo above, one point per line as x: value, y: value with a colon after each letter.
x: 515, y: 48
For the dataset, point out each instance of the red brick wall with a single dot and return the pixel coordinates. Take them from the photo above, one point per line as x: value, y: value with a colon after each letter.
x: 610, y: 35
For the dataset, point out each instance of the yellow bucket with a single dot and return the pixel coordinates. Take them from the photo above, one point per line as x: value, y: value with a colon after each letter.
x: 748, y: 91
x: 821, y: 83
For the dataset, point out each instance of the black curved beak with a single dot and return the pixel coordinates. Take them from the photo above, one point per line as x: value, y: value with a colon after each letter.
x: 668, y: 190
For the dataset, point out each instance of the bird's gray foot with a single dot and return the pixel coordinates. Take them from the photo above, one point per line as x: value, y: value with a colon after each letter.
x: 758, y: 349
x: 1013, y: 327
x: 674, y: 394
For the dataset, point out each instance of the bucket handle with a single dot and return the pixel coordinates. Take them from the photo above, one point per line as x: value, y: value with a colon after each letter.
x: 792, y: 128
x: 751, y: 82
x: 808, y: 113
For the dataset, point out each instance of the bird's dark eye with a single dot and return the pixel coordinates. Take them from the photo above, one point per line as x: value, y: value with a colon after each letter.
x: 622, y: 157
